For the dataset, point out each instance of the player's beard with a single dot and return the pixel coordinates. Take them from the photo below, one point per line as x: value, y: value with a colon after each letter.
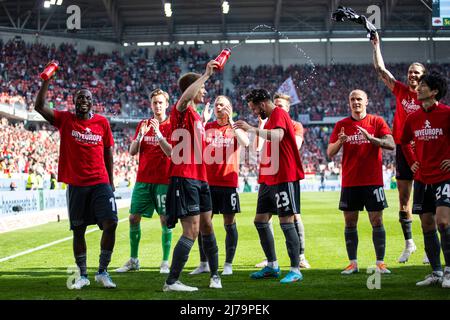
x: 263, y: 115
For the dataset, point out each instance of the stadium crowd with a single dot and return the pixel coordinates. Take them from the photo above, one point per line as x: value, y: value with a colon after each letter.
x: 120, y: 85
x: 323, y: 90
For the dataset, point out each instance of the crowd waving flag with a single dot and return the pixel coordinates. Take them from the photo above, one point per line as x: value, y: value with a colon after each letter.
x: 288, y: 88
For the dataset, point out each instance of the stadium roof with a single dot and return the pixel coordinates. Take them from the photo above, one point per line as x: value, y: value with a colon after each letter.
x: 144, y: 20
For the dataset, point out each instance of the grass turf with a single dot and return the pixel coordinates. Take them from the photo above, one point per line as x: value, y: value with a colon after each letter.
x: 43, y: 274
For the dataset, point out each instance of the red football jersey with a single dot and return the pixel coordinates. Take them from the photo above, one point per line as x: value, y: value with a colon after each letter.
x: 285, y: 164
x: 221, y: 155
x: 361, y: 160
x: 188, y: 142
x: 153, y: 163
x: 81, y: 151
x: 406, y: 103
x: 430, y: 131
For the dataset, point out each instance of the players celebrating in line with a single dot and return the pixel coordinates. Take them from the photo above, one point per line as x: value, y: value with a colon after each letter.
x: 222, y: 152
x: 188, y: 196
x: 86, y: 166
x: 150, y: 190
x: 362, y: 136
x: 280, y: 173
x: 429, y: 128
x: 406, y: 103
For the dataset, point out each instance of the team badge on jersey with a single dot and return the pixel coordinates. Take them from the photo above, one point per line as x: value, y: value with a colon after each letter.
x: 428, y: 132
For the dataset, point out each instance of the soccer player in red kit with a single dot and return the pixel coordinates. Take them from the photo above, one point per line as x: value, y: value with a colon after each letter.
x: 149, y: 192
x: 429, y: 128
x: 222, y: 166
x: 280, y: 173
x: 188, y: 196
x: 86, y: 166
x: 362, y: 136
x: 284, y: 101
x: 406, y: 103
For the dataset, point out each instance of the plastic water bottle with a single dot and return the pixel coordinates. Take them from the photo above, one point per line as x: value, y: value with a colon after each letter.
x: 49, y: 70
x: 223, y: 57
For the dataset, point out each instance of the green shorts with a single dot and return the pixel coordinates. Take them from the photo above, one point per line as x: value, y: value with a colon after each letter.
x: 148, y: 197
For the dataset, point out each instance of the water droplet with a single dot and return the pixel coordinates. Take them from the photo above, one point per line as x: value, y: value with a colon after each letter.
x: 302, y: 53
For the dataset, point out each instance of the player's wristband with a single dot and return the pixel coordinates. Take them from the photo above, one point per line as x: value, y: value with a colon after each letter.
x: 159, y: 135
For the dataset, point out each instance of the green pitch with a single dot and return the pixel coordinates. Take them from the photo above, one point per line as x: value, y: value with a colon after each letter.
x: 43, y: 274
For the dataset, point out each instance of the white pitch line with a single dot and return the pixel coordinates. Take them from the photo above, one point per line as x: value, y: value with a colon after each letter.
x: 48, y: 245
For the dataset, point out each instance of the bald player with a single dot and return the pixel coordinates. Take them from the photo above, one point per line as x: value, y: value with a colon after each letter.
x: 362, y: 136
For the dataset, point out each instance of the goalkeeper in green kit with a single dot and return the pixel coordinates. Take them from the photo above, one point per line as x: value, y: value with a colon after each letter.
x: 149, y: 193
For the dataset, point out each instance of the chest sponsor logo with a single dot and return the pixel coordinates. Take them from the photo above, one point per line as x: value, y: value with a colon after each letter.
x: 151, y: 140
x: 410, y: 106
x: 357, y: 138
x: 87, y: 136
x: 218, y: 140
x: 428, y: 132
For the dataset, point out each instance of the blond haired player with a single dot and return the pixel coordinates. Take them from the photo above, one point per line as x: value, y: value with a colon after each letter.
x: 149, y: 193
x: 223, y: 148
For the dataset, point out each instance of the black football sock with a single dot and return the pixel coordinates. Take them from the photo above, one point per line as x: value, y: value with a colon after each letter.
x: 81, y: 263
x: 211, y: 252
x: 445, y: 243
x: 433, y: 249
x: 267, y: 240
x: 105, y: 259
x: 179, y: 258
x: 406, y: 224
x: 301, y: 234
x: 292, y: 243
x: 351, y: 242
x: 231, y: 241
x: 203, y: 257
x: 379, y: 241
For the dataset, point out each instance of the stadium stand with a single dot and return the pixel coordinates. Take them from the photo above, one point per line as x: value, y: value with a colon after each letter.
x: 120, y: 85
